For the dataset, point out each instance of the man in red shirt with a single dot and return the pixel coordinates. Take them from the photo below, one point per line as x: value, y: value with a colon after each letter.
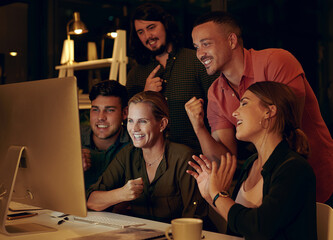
x: 217, y: 39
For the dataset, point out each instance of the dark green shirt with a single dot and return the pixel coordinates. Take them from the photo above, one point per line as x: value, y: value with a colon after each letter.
x: 100, y: 159
x: 186, y: 77
x: 172, y: 194
x: 288, y: 209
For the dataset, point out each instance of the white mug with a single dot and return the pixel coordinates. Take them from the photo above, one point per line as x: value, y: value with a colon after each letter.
x: 185, y: 228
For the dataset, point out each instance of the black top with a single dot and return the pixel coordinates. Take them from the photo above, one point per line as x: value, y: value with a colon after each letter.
x: 288, y: 209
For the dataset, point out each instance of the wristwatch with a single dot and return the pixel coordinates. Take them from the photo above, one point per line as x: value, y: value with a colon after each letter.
x: 223, y: 194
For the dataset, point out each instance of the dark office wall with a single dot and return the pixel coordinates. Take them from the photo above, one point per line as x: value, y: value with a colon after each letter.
x: 13, y: 38
x: 304, y: 27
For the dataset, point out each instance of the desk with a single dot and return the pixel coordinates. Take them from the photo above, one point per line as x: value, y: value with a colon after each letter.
x: 71, y: 229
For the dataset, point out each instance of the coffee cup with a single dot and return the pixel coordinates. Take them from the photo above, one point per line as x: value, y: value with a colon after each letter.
x: 185, y: 228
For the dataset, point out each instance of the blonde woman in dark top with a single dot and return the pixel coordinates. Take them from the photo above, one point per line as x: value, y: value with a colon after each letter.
x: 149, y: 174
x: 275, y: 197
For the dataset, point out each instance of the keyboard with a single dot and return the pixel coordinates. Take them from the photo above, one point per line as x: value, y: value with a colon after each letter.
x: 107, y: 221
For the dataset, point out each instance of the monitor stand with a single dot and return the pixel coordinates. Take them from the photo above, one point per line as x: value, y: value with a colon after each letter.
x: 7, y: 182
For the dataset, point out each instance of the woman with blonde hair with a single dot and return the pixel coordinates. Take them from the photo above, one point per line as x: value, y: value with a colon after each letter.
x: 150, y: 173
x: 275, y: 196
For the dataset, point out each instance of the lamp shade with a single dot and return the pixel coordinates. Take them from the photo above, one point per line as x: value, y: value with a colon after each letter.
x: 76, y: 26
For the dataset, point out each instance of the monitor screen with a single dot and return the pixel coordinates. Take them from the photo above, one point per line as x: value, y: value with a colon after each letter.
x: 40, y: 147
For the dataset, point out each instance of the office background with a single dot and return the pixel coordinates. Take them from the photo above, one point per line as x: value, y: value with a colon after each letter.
x: 36, y: 29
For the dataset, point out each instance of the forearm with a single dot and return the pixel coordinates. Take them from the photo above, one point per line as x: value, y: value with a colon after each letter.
x: 100, y: 200
x: 223, y: 206
x: 210, y: 147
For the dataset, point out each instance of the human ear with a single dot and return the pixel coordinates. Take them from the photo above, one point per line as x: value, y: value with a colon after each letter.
x: 164, y: 124
x: 125, y: 112
x: 233, y: 40
x: 271, y: 111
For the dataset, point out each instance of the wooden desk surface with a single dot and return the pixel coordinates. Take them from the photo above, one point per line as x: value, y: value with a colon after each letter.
x: 74, y: 229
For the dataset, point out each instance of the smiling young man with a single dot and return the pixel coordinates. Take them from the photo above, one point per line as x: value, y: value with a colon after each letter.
x: 164, y: 66
x: 217, y: 39
x: 105, y: 136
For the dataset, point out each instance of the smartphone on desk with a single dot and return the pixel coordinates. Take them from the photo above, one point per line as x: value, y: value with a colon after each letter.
x: 20, y: 215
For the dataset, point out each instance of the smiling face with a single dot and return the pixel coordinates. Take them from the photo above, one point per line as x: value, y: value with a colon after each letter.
x: 152, y: 35
x: 106, y: 116
x: 144, y: 129
x: 250, y: 116
x: 213, y: 47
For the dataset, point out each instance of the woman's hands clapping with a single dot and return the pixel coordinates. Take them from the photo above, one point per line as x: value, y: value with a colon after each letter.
x: 201, y: 174
x: 212, y: 178
x: 221, y: 176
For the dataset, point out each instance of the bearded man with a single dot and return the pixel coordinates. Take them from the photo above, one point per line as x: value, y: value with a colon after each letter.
x: 164, y: 66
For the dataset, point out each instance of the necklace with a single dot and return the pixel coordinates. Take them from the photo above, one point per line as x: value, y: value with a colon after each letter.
x: 151, y: 163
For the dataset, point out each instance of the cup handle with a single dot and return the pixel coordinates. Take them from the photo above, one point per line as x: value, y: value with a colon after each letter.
x: 167, y: 233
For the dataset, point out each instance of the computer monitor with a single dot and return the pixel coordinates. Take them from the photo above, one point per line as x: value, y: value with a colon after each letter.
x: 40, y: 148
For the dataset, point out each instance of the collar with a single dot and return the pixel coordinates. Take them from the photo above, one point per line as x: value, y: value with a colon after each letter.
x: 248, y: 71
x: 248, y: 68
x: 174, y: 52
x: 123, y: 136
x: 276, y: 158
x: 140, y: 162
x: 163, y: 164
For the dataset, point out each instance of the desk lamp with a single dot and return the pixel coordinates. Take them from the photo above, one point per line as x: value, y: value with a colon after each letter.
x: 77, y: 27
x: 109, y: 35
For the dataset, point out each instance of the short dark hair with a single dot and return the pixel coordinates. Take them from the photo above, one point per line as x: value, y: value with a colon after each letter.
x: 152, y: 12
x: 224, y: 19
x: 109, y: 88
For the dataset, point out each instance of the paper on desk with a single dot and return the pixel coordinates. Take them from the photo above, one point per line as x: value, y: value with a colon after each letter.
x: 130, y: 233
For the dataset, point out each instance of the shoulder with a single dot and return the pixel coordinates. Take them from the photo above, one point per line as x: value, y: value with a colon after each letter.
x: 186, y: 51
x: 295, y: 163
x: 268, y: 52
x: 126, y: 150
x: 274, y: 55
x: 178, y: 150
x: 295, y: 159
x: 177, y: 156
x: 135, y: 68
x: 275, y: 64
x: 138, y: 68
x: 186, y: 54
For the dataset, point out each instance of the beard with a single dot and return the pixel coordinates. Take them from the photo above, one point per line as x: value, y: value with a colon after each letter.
x: 159, y: 51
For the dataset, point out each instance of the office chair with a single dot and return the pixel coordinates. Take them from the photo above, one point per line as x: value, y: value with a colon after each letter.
x: 324, y: 222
